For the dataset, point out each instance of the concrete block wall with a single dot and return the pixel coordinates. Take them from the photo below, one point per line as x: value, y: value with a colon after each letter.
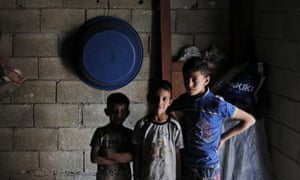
x: 47, y: 123
x: 277, y: 38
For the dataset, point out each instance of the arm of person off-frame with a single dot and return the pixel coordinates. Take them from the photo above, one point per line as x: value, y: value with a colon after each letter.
x: 246, y: 121
x: 96, y: 158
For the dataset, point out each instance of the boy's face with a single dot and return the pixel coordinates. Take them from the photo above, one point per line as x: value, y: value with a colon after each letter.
x: 195, y: 82
x: 117, y: 113
x: 160, y: 101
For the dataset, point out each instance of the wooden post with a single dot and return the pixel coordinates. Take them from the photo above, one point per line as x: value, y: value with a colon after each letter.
x: 165, y: 34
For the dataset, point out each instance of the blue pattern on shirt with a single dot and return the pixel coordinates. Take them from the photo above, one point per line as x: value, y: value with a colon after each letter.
x: 202, y: 127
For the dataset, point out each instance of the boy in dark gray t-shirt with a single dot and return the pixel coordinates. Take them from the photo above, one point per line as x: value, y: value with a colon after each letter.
x: 111, y: 146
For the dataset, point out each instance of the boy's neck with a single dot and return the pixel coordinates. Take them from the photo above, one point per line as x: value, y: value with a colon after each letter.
x: 160, y: 118
x: 201, y: 94
x: 115, y: 125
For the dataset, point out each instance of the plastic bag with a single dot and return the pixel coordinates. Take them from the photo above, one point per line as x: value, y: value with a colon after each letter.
x: 242, y: 90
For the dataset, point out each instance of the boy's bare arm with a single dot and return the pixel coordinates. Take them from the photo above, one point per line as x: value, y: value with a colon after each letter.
x: 96, y: 158
x: 246, y: 121
x: 176, y: 115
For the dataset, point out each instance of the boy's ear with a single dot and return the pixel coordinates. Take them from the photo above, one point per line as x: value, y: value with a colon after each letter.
x: 207, y: 80
x: 171, y: 101
x: 127, y: 113
x: 107, y: 111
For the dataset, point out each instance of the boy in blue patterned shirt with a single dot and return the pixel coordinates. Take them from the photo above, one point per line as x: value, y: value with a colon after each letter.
x: 201, y: 114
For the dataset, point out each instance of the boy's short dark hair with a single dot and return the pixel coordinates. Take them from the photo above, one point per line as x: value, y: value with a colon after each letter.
x: 161, y: 84
x: 196, y: 64
x: 117, y: 98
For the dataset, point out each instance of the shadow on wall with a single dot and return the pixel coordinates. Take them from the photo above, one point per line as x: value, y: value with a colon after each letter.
x: 66, y: 50
x: 154, y: 43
